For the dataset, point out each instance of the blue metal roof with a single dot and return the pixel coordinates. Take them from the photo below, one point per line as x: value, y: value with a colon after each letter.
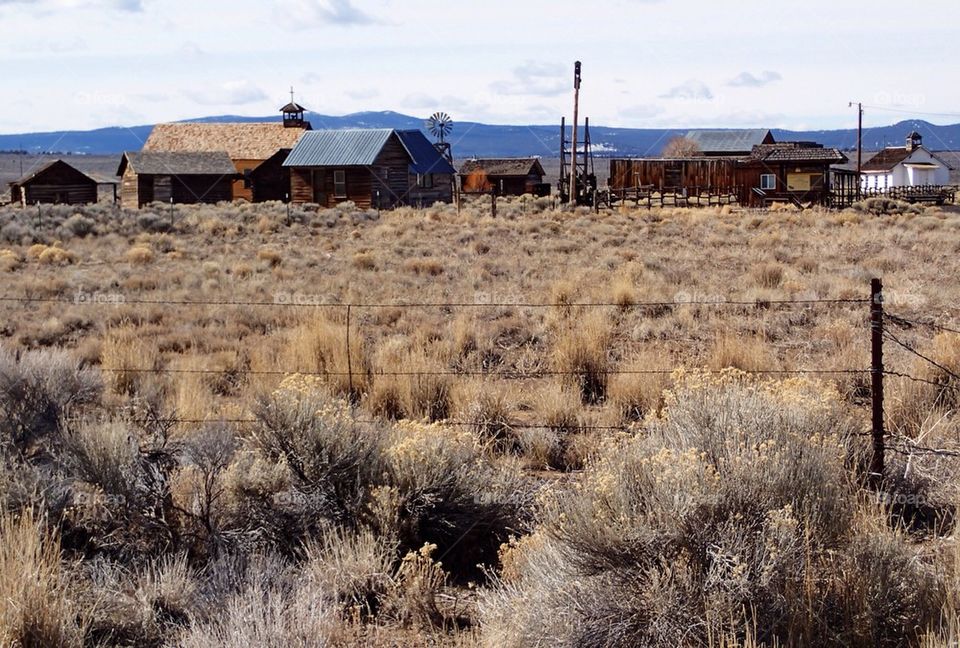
x: 338, y: 147
x: 426, y: 157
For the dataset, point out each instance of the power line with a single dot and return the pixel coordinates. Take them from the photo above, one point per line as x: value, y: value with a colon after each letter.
x: 904, y: 111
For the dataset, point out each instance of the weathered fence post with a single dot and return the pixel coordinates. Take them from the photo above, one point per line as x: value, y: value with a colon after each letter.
x: 876, y: 381
x: 493, y: 203
x: 349, y: 361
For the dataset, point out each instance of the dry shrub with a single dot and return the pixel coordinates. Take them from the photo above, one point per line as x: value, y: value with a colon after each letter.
x: 354, y: 570
x: 37, y: 609
x: 410, y: 381
x: 38, y: 389
x: 639, y: 389
x: 487, y: 408
x: 736, y: 504
x: 428, y: 266
x: 319, y: 346
x: 580, y: 355
x: 269, y: 256
x: 10, y: 260
x: 364, y: 261
x: 139, y: 255
x: 749, y: 354
x: 915, y: 405
x: 127, y: 358
x: 55, y: 255
x: 623, y: 293
x: 768, y: 275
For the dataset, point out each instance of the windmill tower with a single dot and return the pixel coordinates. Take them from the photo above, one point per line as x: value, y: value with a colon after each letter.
x: 440, y: 126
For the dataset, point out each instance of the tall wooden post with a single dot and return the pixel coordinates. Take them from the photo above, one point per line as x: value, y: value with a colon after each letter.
x: 573, y: 140
x: 876, y: 381
x: 859, y: 150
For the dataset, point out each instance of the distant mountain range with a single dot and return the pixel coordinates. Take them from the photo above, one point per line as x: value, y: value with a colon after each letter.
x: 473, y: 139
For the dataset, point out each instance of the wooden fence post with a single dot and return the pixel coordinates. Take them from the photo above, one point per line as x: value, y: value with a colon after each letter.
x: 493, y: 203
x: 876, y: 381
x: 349, y: 360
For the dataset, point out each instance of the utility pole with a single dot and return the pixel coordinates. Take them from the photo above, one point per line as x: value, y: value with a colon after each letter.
x: 573, y: 143
x: 859, y: 148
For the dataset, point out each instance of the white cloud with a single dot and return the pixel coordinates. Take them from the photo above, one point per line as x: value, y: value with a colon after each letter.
x: 689, y: 90
x: 534, y: 79
x: 231, y: 93
x: 309, y: 13
x: 750, y: 80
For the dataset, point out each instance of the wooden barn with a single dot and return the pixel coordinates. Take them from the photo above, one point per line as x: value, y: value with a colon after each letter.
x: 505, y: 176
x: 248, y: 144
x: 381, y: 168
x: 54, y: 183
x: 737, y: 142
x: 796, y: 172
x: 182, y: 178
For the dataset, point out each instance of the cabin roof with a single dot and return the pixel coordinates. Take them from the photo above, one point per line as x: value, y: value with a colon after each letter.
x: 40, y: 170
x: 341, y: 148
x: 426, y: 157
x: 174, y: 163
x: 797, y: 152
x: 887, y: 159
x: 241, y: 141
x: 730, y: 141
x: 503, y: 166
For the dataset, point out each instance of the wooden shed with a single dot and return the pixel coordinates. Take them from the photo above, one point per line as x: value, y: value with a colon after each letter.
x: 371, y: 167
x: 505, y: 176
x: 797, y: 172
x: 54, y: 183
x: 247, y: 144
x: 183, y: 178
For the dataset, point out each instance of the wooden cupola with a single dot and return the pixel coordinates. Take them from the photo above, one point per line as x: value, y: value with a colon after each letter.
x: 293, y: 114
x: 914, y: 141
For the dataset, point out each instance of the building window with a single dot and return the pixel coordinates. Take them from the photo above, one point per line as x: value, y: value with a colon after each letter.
x: 768, y: 181
x: 426, y: 180
x: 340, y: 183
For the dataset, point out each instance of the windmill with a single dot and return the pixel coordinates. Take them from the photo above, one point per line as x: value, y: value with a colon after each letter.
x: 440, y: 126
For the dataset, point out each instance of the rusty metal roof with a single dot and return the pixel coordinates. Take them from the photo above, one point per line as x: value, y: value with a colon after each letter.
x: 341, y: 148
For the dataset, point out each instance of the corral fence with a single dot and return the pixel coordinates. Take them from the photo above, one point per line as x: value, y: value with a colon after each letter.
x: 884, y: 329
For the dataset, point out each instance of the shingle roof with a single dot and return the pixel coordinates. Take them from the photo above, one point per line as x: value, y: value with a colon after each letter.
x: 887, y: 159
x: 169, y: 163
x: 797, y: 152
x: 33, y: 173
x: 351, y: 147
x: 503, y: 167
x: 426, y: 157
x: 244, y: 141
x: 729, y: 141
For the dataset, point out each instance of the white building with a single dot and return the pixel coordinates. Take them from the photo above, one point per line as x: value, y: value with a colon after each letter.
x: 913, y: 165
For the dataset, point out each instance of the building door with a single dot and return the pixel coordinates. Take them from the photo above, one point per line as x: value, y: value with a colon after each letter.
x: 319, y: 183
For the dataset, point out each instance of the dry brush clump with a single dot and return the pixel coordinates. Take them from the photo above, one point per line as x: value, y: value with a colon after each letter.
x: 736, y: 510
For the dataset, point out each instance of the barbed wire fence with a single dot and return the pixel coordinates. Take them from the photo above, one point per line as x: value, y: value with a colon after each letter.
x: 883, y: 326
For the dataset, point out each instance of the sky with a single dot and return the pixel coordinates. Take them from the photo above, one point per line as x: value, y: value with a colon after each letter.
x: 81, y: 64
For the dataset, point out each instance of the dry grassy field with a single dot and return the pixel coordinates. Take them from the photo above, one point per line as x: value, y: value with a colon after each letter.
x: 245, y: 425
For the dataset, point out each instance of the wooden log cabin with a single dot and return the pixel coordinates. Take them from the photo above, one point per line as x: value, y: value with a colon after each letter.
x: 182, y: 178
x: 249, y: 145
x: 794, y: 172
x: 505, y: 176
x: 54, y: 183
x: 373, y: 168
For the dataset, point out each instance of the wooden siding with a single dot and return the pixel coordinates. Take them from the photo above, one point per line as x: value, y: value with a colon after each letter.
x: 741, y: 176
x: 388, y: 177
x: 441, y: 191
x: 271, y: 180
x: 504, y: 185
x: 58, y: 184
x: 139, y: 190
